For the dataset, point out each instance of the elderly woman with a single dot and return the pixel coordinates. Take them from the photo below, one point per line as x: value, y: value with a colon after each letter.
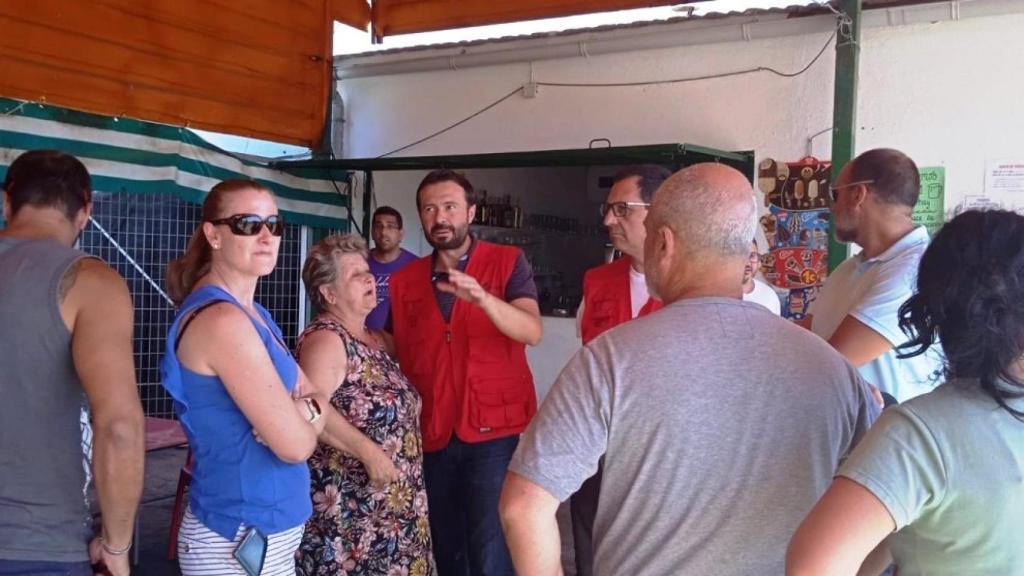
x: 233, y: 381
x: 938, y: 478
x: 370, y: 506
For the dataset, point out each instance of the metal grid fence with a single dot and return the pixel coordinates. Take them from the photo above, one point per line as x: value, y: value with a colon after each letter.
x: 138, y: 235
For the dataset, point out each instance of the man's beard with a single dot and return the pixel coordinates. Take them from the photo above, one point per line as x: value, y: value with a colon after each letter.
x: 458, y: 236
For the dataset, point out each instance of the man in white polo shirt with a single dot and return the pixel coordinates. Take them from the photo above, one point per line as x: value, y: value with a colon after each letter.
x: 755, y: 290
x: 857, y: 311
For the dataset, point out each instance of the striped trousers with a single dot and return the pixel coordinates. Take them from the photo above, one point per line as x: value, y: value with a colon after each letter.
x: 203, y: 552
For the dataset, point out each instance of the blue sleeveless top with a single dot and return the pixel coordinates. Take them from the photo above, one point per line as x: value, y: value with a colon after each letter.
x: 235, y: 479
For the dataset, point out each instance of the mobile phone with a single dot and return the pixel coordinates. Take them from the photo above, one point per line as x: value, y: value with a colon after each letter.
x: 439, y: 277
x: 251, y: 552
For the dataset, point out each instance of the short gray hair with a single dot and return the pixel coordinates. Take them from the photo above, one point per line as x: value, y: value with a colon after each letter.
x: 321, y: 266
x: 710, y: 209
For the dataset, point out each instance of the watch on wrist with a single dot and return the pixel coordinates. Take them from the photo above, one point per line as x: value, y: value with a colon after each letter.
x: 314, y: 409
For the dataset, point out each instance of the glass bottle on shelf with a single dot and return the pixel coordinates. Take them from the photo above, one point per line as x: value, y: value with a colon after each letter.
x: 506, y: 217
x: 482, y: 209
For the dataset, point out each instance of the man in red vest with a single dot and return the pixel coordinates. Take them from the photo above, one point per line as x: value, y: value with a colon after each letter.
x: 461, y: 319
x: 614, y: 293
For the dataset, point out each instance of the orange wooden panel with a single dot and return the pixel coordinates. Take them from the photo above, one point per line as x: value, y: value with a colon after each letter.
x: 407, y: 16
x: 355, y: 13
x: 260, y: 68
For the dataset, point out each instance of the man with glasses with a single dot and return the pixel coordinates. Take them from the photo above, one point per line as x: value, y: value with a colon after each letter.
x: 755, y: 290
x: 386, y: 258
x: 857, y: 311
x: 68, y: 377
x: 614, y: 293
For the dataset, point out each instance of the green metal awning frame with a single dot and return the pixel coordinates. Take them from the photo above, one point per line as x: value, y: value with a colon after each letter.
x: 844, y: 111
x: 673, y: 156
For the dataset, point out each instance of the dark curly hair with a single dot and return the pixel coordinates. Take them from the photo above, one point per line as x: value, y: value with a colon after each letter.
x: 970, y: 298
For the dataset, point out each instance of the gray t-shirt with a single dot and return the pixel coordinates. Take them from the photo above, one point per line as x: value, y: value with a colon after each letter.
x: 949, y: 467
x: 720, y: 425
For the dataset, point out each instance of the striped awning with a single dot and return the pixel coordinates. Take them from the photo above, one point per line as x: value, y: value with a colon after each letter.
x: 125, y: 155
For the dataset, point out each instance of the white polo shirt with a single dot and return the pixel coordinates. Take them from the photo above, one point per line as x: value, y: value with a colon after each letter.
x: 872, y: 291
x: 764, y: 295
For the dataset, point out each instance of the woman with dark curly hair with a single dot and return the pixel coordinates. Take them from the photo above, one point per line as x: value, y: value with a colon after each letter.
x: 939, y: 480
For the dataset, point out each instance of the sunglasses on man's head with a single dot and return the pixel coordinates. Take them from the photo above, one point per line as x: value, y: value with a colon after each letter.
x: 251, y: 224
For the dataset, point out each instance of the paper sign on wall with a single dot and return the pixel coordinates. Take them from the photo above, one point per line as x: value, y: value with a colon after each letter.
x: 1004, y: 183
x: 930, y: 208
x: 1004, y: 178
x: 979, y: 203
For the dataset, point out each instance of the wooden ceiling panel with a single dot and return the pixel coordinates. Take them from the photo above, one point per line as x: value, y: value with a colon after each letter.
x: 355, y: 13
x: 260, y: 68
x: 409, y: 16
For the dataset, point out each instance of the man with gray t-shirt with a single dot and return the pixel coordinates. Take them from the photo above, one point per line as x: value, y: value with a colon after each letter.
x: 708, y: 468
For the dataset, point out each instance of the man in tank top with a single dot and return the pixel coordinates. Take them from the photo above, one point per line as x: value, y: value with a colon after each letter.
x: 68, y: 374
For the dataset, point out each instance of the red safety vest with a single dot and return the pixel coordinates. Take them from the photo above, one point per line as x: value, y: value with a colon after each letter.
x: 606, y: 302
x: 473, y: 379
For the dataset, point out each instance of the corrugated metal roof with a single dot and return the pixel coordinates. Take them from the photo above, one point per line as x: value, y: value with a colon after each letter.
x: 791, y: 11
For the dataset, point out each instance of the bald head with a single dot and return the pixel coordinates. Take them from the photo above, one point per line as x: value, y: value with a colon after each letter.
x: 699, y: 229
x: 709, y: 208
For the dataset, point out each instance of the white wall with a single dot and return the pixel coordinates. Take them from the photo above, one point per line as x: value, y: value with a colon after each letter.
x: 945, y: 93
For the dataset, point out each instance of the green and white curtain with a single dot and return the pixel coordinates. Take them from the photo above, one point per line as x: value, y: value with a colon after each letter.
x: 125, y: 155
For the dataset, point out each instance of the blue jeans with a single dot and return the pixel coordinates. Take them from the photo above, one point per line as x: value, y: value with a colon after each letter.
x: 463, y: 483
x: 41, y: 568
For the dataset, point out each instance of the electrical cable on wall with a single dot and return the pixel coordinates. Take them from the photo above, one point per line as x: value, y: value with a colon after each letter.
x: 457, y: 124
x: 843, y: 24
x: 768, y: 69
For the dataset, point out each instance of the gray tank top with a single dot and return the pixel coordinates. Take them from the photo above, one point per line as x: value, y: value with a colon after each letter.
x: 44, y: 434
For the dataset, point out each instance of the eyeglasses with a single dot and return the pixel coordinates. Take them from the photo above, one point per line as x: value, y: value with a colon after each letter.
x: 251, y: 224
x: 834, y: 191
x: 621, y: 209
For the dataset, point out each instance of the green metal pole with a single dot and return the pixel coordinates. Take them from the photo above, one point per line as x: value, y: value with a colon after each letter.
x: 367, y: 203
x: 844, y: 111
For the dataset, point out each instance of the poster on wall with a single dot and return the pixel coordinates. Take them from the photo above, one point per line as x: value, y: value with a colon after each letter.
x: 796, y: 227
x: 979, y: 203
x: 930, y: 208
x: 1004, y: 183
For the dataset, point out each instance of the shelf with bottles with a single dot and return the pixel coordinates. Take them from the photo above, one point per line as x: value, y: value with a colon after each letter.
x: 498, y: 211
x: 506, y: 213
x: 502, y: 235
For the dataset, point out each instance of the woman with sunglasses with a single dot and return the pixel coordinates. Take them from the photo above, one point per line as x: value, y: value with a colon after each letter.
x: 236, y: 392
x: 937, y: 482
x: 367, y: 477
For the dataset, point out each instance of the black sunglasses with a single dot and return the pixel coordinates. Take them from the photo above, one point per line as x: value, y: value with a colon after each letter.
x: 834, y: 191
x: 251, y: 224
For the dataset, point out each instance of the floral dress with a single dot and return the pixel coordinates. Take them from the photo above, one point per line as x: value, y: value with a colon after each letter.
x: 357, y: 528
